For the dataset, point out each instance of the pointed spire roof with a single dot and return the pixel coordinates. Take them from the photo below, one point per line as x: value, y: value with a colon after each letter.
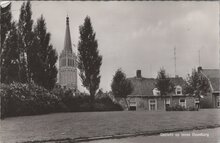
x: 67, y: 40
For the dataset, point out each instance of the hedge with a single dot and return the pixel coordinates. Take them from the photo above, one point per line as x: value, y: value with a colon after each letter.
x: 19, y: 99
x: 81, y: 102
x: 180, y: 108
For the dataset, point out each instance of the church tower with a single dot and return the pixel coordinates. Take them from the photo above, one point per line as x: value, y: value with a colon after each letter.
x: 67, y: 63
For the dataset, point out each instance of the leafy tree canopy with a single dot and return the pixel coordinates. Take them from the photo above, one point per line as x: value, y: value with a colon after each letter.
x: 10, y: 57
x: 43, y: 57
x: 121, y: 87
x: 197, y: 84
x: 89, y: 60
x: 163, y: 83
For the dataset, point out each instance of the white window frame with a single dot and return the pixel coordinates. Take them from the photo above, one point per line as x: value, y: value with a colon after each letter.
x: 180, y: 103
x: 156, y: 92
x: 149, y: 102
x: 165, y: 102
x: 179, y: 88
x: 196, y: 100
x: 134, y: 103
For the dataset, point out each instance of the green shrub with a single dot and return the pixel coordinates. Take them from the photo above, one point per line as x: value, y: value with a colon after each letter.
x: 106, y: 104
x: 192, y: 109
x: 28, y: 99
x: 80, y: 102
x: 19, y: 99
x: 206, y: 102
x: 176, y: 108
x: 180, y: 108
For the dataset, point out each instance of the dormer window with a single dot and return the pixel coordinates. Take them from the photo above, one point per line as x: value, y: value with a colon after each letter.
x: 178, y: 90
x: 156, y: 92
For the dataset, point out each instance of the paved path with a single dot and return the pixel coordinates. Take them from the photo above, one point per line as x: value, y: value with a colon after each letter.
x: 196, y: 136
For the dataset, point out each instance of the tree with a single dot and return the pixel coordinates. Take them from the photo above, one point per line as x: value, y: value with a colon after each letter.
x: 25, y: 25
x: 5, y: 22
x: 89, y: 60
x: 197, y: 85
x: 121, y: 87
x: 42, y: 57
x: 100, y: 93
x: 163, y: 83
x: 10, y: 57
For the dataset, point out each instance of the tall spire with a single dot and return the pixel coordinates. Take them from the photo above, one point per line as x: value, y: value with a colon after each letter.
x: 67, y: 40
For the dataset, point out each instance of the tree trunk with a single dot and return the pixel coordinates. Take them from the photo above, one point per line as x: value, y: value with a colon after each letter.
x: 92, y: 99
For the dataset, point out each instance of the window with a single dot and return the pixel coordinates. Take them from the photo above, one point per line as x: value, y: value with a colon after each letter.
x: 178, y: 90
x: 71, y: 62
x: 196, y: 100
x: 156, y: 92
x: 182, y: 102
x: 167, y: 103
x: 132, y: 104
x: 152, y: 104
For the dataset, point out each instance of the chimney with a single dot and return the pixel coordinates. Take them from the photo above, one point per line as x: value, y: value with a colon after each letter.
x: 199, y: 69
x: 138, y: 73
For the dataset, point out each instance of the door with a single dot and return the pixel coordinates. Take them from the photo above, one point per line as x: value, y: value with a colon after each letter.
x: 218, y: 101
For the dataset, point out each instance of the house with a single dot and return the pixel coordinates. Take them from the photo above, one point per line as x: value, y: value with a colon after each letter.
x: 213, y: 97
x: 146, y: 96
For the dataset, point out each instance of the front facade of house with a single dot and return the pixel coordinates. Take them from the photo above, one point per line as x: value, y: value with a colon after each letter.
x: 146, y: 96
x: 213, y: 76
x: 157, y: 103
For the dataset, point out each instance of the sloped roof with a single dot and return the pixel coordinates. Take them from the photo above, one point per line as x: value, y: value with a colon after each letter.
x: 144, y: 86
x: 67, y: 50
x: 211, y: 73
x: 67, y: 40
x: 214, y: 77
x: 215, y: 83
x: 177, y: 81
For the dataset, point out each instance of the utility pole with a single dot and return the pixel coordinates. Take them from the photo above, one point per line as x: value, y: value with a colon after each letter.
x: 174, y: 61
x: 199, y: 57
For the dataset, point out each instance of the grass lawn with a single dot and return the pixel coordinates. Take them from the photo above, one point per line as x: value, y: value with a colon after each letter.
x: 91, y: 124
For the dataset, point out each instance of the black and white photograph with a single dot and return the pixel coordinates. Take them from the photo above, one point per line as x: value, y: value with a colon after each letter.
x: 110, y: 72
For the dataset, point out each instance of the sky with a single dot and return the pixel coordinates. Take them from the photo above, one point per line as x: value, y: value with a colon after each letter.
x: 138, y: 35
